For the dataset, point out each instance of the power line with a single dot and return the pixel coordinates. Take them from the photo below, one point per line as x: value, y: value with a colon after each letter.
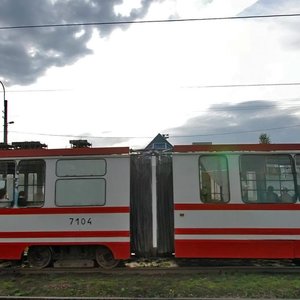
x: 243, y: 85
x: 235, y: 132
x: 188, y: 87
x: 79, y: 136
x: 170, y: 135
x: 111, y: 23
x: 40, y: 90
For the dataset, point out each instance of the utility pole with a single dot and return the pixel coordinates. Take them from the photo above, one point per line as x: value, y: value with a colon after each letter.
x: 5, y: 131
x: 5, y: 116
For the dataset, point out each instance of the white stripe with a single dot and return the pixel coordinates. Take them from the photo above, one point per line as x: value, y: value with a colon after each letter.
x: 235, y: 237
x: 237, y: 219
x: 63, y: 240
x: 65, y: 222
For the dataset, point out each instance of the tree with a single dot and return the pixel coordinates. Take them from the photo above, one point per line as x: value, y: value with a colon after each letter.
x: 264, y: 139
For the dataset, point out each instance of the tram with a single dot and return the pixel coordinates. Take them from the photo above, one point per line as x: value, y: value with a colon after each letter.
x: 65, y: 203
x: 112, y: 204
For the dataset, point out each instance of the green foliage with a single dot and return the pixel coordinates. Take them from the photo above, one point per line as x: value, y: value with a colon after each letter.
x: 264, y: 139
x: 231, y: 285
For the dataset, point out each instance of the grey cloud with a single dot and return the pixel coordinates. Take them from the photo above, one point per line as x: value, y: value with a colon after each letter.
x: 263, y: 7
x: 268, y: 7
x: 240, y: 123
x: 25, y: 54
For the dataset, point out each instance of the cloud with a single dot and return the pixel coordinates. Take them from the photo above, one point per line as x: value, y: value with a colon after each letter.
x: 27, y: 53
x: 240, y: 123
x: 291, y: 24
x: 264, y: 7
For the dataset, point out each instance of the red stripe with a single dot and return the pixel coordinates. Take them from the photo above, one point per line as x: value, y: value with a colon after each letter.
x: 236, y: 249
x: 242, y: 231
x: 65, y: 234
x: 242, y: 206
x: 65, y: 210
x: 63, y: 152
x: 236, y: 147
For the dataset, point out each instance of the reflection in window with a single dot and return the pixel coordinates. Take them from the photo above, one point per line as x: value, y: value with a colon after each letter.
x: 31, y: 183
x: 267, y: 178
x: 214, y: 183
x: 79, y: 192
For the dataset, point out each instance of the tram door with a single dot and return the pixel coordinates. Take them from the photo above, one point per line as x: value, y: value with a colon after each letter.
x: 152, y: 220
x: 165, y: 204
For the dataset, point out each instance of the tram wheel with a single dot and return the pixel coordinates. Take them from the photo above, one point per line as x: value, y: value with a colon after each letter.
x: 39, y: 256
x: 105, y: 258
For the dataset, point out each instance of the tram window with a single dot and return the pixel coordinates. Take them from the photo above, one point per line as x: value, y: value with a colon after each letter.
x: 267, y: 178
x: 80, y: 192
x: 297, y: 158
x: 31, y: 183
x: 214, y: 183
x: 80, y: 167
x: 7, y: 182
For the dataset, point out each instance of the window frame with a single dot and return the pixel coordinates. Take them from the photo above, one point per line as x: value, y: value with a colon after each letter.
x: 265, y: 179
x: 214, y: 201
x: 43, y: 186
x: 11, y: 193
x: 74, y: 179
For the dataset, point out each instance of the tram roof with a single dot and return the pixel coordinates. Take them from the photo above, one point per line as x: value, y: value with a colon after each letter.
x: 236, y: 147
x: 10, y: 153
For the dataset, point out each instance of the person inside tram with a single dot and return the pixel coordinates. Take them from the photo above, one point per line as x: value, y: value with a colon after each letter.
x: 272, y: 197
x: 285, y: 197
x: 4, y: 202
x: 22, y: 199
x: 205, y: 195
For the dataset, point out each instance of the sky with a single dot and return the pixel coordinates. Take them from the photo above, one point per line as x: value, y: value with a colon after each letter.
x: 210, y: 80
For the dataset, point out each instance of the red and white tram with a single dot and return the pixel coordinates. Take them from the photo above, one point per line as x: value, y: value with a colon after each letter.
x: 65, y: 202
x: 237, y: 201
x: 198, y: 201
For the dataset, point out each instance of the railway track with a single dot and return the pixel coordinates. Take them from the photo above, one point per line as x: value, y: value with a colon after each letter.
x: 152, y: 268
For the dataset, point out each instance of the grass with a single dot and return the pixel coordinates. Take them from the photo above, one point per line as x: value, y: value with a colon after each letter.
x: 196, y: 285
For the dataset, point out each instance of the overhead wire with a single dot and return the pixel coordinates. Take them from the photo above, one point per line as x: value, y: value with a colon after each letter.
x: 198, y: 86
x: 235, y: 132
x: 111, y: 23
x: 272, y: 84
x: 170, y: 135
x: 163, y: 21
x: 243, y: 85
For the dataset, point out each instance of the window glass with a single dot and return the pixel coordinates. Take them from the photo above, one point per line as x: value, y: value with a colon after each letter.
x: 297, y: 158
x: 267, y: 178
x: 159, y: 146
x: 214, y: 183
x: 79, y: 192
x: 31, y: 183
x: 7, y: 183
x: 81, y: 167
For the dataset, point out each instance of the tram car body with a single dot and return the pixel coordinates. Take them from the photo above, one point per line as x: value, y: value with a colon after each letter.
x: 237, y: 201
x: 65, y: 202
x: 104, y: 204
